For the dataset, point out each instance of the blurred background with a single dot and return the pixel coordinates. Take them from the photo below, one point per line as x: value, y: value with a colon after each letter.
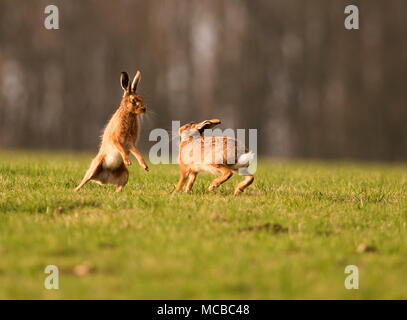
x: 288, y: 68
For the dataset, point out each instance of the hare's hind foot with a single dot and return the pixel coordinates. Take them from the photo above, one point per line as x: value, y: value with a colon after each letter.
x: 94, y: 170
x: 237, y: 192
x: 248, y: 180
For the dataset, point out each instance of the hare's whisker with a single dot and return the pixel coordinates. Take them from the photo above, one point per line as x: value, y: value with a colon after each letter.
x: 152, y: 112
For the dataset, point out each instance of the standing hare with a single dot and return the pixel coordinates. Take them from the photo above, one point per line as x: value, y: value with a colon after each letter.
x: 212, y: 154
x: 119, y: 138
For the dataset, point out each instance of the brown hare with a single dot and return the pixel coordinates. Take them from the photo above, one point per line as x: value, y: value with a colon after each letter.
x: 119, y: 139
x: 217, y: 154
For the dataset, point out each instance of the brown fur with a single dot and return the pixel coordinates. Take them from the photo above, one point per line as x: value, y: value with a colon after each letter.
x: 118, y: 140
x: 205, y: 160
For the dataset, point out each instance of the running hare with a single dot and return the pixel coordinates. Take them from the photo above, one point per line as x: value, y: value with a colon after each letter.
x: 211, y: 154
x: 119, y: 139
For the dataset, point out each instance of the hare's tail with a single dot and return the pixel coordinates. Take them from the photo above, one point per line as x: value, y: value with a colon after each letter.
x: 245, y: 159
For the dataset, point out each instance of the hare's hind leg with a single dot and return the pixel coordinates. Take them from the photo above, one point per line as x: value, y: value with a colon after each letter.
x: 95, y: 167
x: 248, y: 180
x: 117, y: 177
x: 227, y: 173
x: 191, y: 181
x: 120, y: 177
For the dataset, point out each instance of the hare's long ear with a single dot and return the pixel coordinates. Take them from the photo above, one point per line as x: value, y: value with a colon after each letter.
x: 135, y: 82
x: 207, y: 124
x: 125, y: 82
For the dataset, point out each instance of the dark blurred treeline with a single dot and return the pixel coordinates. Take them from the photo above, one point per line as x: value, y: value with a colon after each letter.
x: 288, y: 68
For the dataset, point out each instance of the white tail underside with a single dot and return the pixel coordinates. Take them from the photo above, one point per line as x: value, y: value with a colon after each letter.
x: 245, y: 158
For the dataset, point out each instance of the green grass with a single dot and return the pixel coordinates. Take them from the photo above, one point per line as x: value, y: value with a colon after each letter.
x: 289, y: 236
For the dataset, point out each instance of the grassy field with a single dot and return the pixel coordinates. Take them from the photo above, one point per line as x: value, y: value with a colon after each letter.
x: 290, y: 236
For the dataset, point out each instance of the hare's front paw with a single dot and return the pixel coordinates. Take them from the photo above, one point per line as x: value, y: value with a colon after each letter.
x: 127, y: 162
x: 145, y: 167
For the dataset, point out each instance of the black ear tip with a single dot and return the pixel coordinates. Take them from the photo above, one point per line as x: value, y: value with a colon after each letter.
x: 124, y: 80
